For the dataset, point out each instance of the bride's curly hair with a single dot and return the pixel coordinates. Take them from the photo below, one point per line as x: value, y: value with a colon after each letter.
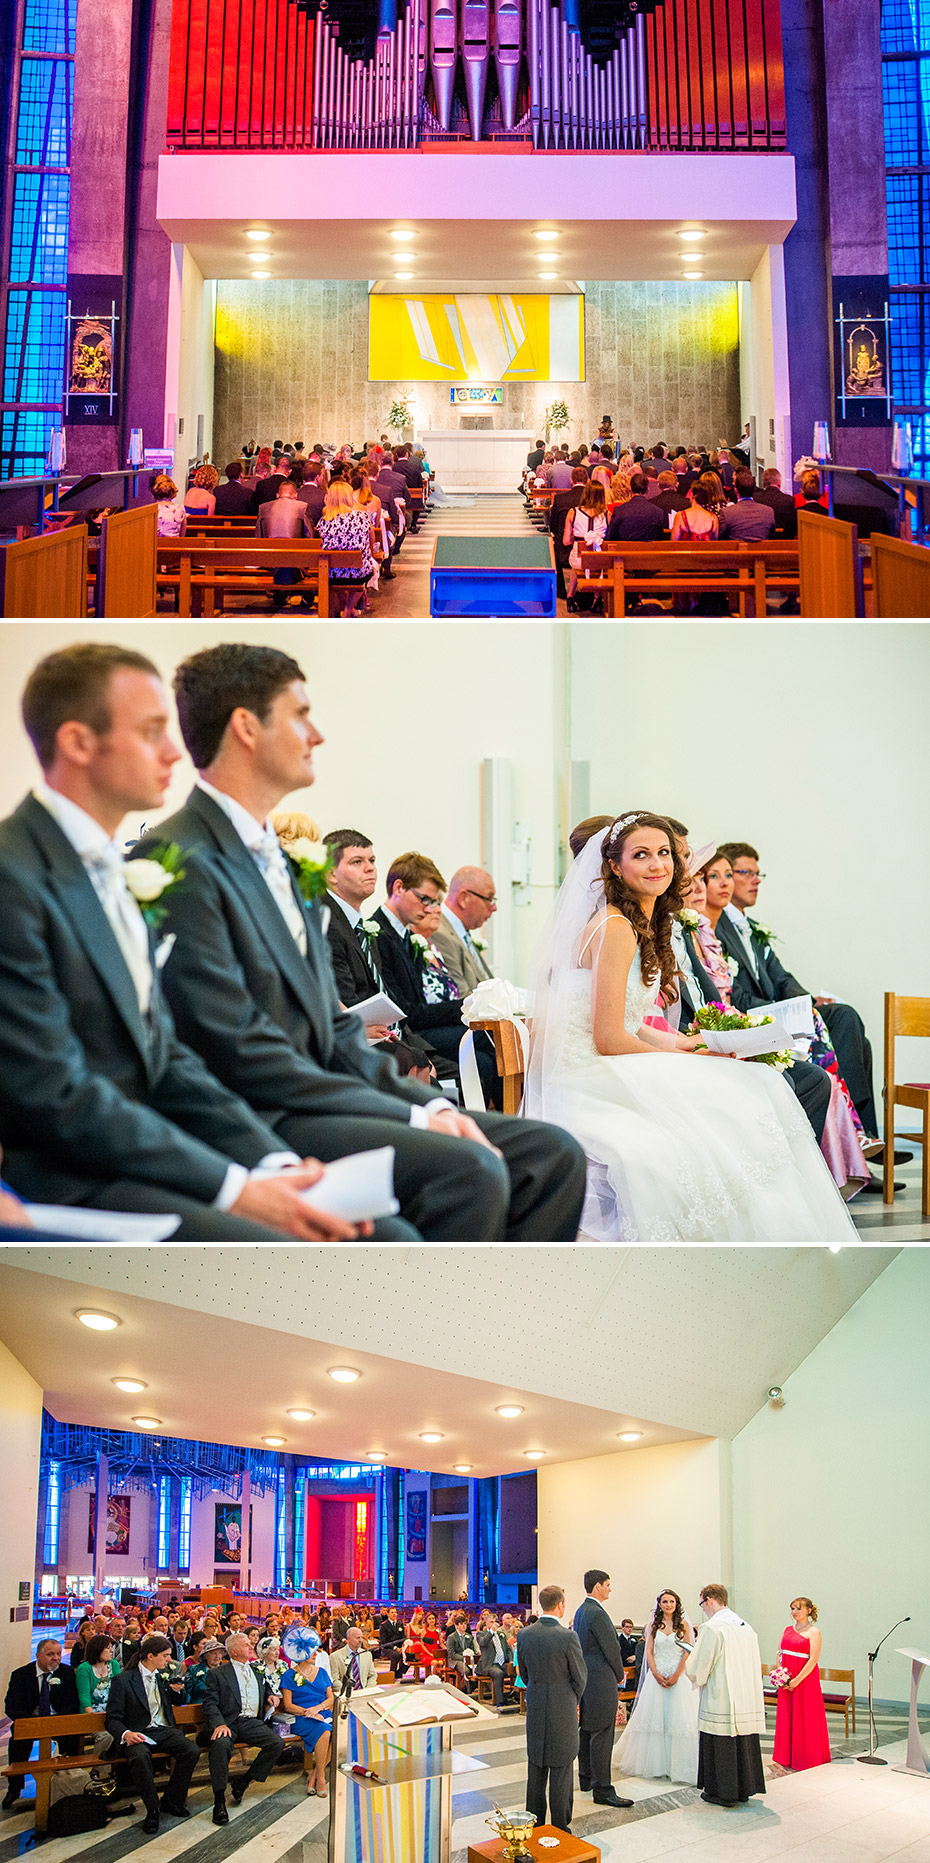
x: 654, y: 936
x: 678, y: 1621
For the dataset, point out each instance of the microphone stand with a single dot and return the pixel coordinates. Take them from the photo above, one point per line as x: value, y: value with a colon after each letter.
x: 871, y: 1758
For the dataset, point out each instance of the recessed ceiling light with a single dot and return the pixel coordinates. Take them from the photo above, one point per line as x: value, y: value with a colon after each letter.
x: 301, y: 1416
x: 344, y: 1374
x: 692, y: 274
x: 403, y: 234
x: 629, y: 1436
x: 548, y: 274
x: 274, y: 1442
x: 98, y: 1322
x: 510, y: 1410
x: 403, y: 274
x: 534, y: 1455
x: 377, y: 1455
x: 129, y: 1384
x: 261, y: 274
x: 546, y: 236
x: 462, y: 1468
x: 694, y: 232
x: 431, y: 1436
x: 255, y: 232
x: 147, y: 1423
x: 692, y: 258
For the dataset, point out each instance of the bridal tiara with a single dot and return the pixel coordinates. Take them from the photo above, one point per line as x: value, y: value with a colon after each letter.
x: 623, y: 821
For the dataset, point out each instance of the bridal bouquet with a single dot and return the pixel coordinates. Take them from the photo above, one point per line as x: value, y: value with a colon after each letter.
x: 722, y: 1020
x: 779, y: 1676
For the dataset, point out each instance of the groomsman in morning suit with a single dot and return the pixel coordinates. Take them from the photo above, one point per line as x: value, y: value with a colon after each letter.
x: 762, y: 980
x: 352, y: 935
x: 470, y: 902
x: 99, y: 1102
x: 250, y: 982
x: 550, y: 1661
x: 140, y: 1719
x: 600, y: 1647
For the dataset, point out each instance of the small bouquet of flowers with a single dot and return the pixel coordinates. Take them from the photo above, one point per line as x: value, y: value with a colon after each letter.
x: 313, y: 863
x: 779, y: 1676
x: 722, y: 1020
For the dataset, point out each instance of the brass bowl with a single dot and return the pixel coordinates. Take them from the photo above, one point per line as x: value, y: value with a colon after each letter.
x: 513, y: 1829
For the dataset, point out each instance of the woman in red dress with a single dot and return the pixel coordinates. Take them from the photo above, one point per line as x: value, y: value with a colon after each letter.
x: 800, y: 1719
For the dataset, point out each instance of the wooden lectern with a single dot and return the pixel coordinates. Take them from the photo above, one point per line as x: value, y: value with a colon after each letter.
x: 405, y: 1814
x: 918, y: 1759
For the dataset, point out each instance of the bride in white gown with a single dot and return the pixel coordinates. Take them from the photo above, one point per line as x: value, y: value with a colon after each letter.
x: 681, y: 1146
x: 661, y: 1739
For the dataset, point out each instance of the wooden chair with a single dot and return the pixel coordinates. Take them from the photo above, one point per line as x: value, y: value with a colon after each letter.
x: 838, y: 1701
x: 910, y: 1016
x: 508, y: 1053
x: 900, y: 578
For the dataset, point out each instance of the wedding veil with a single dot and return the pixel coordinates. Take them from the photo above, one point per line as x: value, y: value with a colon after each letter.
x: 579, y: 898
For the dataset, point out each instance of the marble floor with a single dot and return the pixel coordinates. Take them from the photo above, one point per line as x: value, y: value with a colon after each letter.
x: 841, y: 1813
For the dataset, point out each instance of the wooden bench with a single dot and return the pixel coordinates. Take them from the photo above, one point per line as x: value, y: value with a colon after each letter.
x: 835, y: 1701
x: 48, y: 1729
x: 205, y: 569
x: 747, y: 570
x: 508, y: 1053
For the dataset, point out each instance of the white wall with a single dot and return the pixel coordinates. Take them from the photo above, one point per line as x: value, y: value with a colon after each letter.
x: 189, y: 363
x: 20, y: 1436
x: 764, y: 385
x: 830, y: 1495
x: 649, y: 1517
x: 788, y: 736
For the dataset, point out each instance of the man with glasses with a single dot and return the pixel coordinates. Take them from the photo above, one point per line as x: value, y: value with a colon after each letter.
x: 762, y: 979
x: 470, y: 903
x: 726, y: 1666
x: 415, y: 889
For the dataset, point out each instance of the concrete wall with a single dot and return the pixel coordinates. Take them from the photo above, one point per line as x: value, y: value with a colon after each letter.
x: 650, y: 1517
x: 75, y: 1561
x: 829, y: 1494
x: 20, y: 1436
x: 764, y: 385
x: 292, y: 364
x: 189, y: 369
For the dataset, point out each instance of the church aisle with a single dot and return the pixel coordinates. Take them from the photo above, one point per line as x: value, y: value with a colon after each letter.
x: 489, y: 514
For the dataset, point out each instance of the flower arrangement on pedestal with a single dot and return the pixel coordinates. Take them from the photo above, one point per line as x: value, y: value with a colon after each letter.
x: 400, y: 415
x: 557, y: 417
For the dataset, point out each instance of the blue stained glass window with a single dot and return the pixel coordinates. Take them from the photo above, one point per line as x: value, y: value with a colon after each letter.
x: 43, y: 131
x: 299, y: 1495
x: 24, y: 438
x: 906, y: 90
x: 49, y: 26
x: 184, y: 1526
x: 39, y: 234
x: 52, y: 1516
x: 164, y: 1522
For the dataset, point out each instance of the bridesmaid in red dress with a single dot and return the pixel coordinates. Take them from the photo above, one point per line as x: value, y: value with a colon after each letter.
x: 800, y: 1719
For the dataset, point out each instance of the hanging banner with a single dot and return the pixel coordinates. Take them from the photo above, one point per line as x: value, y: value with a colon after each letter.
x: 416, y: 1525
x: 227, y: 1533
x: 861, y: 329
x: 119, y: 1514
x: 92, y: 328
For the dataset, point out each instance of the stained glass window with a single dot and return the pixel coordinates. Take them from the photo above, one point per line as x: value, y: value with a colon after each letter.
x: 906, y: 86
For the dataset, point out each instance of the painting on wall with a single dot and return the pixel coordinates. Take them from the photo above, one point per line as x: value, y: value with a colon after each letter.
x: 227, y: 1533
x: 119, y: 1513
x: 416, y: 1525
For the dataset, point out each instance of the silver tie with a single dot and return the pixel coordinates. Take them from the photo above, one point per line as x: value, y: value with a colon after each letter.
x: 273, y: 867
x: 107, y: 873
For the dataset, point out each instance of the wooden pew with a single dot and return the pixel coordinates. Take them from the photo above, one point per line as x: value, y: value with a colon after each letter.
x: 246, y: 526
x: 45, y: 577
x: 900, y: 578
x: 46, y: 1729
x: 621, y: 569
x: 126, y: 562
x: 508, y: 1053
x: 830, y: 567
x: 208, y: 567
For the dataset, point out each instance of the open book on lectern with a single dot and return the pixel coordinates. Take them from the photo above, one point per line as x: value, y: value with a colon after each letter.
x: 421, y: 1707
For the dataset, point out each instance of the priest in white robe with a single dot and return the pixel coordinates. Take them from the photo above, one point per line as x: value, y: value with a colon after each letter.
x: 726, y: 1666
